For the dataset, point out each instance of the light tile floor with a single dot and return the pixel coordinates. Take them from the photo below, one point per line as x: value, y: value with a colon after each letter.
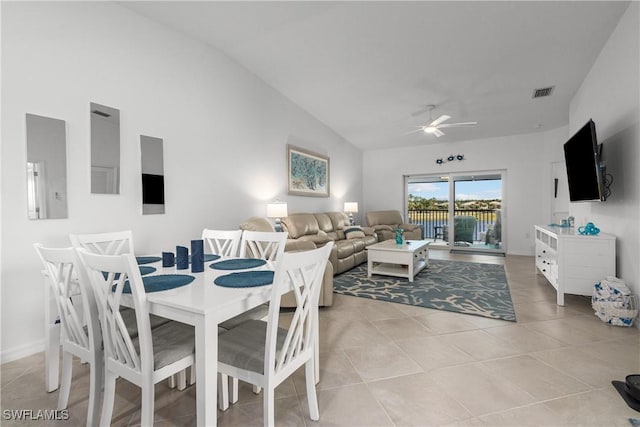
x: 385, y: 364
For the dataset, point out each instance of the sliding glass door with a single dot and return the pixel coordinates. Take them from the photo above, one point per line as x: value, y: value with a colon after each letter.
x: 459, y: 211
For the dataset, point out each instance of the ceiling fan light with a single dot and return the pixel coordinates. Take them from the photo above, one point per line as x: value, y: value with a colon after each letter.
x: 429, y: 129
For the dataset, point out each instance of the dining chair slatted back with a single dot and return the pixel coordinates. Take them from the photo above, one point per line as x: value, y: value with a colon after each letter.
x: 222, y: 242
x: 150, y: 357
x: 108, y: 276
x: 266, y: 353
x: 81, y: 334
x: 267, y: 245
x: 115, y: 243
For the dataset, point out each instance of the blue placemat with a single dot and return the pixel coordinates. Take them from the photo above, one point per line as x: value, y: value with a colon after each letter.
x: 245, y: 279
x: 145, y: 269
x: 161, y: 282
x: 147, y: 259
x: 208, y: 257
x: 238, y: 264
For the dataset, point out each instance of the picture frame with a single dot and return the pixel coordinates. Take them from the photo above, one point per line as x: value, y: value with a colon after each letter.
x: 307, y: 172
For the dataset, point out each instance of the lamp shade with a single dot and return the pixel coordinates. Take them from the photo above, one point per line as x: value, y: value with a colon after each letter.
x: 276, y: 210
x: 351, y: 207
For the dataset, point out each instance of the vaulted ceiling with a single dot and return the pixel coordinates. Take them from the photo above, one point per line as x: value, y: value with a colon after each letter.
x: 368, y: 69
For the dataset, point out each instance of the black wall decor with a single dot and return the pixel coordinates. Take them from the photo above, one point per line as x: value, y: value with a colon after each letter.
x: 450, y: 158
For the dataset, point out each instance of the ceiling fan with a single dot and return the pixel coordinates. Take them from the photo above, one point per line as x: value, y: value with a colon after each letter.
x: 435, y: 125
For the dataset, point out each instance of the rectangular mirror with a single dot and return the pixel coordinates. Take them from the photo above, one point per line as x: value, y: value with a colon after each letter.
x: 152, y: 175
x: 46, y: 168
x: 105, y: 149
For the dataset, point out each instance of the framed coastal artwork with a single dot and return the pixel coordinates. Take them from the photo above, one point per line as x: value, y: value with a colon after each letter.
x: 308, y: 172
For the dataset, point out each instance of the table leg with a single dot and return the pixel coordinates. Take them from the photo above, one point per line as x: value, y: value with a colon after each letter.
x: 206, y: 371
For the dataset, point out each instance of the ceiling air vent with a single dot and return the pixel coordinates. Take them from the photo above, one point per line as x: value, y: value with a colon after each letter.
x: 544, y: 91
x: 101, y: 113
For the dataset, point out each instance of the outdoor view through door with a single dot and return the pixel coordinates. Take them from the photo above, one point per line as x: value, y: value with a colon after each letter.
x: 472, y: 222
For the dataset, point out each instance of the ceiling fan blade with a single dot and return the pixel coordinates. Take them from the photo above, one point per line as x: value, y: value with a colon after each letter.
x: 450, y: 125
x: 439, y: 120
x: 438, y: 132
x: 420, y: 129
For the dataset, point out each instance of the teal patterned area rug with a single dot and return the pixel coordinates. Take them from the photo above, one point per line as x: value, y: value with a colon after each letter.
x: 463, y: 287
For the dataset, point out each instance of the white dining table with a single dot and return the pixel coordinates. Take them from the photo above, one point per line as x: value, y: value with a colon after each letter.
x: 202, y: 304
x: 205, y: 305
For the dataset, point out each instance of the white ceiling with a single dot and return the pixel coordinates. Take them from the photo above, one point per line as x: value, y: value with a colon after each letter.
x: 365, y: 68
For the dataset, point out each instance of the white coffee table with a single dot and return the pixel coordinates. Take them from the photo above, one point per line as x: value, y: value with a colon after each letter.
x: 404, y: 260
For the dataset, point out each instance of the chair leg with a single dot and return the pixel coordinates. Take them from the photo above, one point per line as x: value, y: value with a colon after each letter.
x: 148, y: 400
x: 65, y: 386
x: 309, y: 374
x: 108, y: 398
x: 268, y: 403
x: 172, y: 381
x: 96, y: 373
x: 233, y: 393
x: 223, y: 392
x: 256, y: 389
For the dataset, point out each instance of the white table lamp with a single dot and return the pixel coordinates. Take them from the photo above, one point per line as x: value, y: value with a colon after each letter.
x: 277, y: 210
x: 351, y: 208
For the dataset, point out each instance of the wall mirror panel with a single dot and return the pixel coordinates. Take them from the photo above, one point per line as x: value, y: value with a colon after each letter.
x: 152, y: 175
x: 46, y: 168
x: 105, y: 149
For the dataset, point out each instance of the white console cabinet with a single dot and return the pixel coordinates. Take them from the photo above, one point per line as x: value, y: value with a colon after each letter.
x: 574, y: 263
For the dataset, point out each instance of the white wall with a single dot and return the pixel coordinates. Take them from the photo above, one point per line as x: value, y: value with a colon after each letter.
x: 224, y: 132
x: 610, y: 95
x: 524, y: 157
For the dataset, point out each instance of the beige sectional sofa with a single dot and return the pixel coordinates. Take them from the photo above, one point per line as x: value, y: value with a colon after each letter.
x: 321, y: 228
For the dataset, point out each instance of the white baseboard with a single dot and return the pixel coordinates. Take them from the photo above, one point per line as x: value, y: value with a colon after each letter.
x: 19, y: 352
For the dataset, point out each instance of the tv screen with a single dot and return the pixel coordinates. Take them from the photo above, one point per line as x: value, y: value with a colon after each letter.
x: 584, y: 174
x: 152, y: 189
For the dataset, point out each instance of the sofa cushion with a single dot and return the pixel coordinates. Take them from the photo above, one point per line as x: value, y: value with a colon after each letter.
x: 318, y: 239
x: 324, y: 222
x: 353, y: 232
x: 340, y: 220
x: 345, y: 248
x: 256, y: 224
x: 300, y: 224
x: 384, y: 218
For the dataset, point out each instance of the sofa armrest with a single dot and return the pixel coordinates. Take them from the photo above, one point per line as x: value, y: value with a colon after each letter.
x: 382, y: 227
x: 293, y: 245
x: 369, y: 231
x: 410, y: 227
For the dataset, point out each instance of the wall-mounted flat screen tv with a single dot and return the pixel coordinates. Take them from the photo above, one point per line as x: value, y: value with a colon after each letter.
x: 152, y: 189
x: 584, y: 169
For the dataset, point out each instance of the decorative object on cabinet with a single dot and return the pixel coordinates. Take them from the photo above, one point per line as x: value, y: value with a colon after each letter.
x: 308, y: 173
x: 571, y: 262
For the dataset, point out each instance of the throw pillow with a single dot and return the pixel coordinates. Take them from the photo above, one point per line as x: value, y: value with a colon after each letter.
x: 354, y: 232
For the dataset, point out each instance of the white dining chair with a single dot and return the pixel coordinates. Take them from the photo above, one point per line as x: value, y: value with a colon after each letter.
x: 117, y: 243
x: 222, y: 242
x: 267, y: 245
x: 81, y: 334
x: 264, y: 354
x: 152, y: 356
x: 114, y: 243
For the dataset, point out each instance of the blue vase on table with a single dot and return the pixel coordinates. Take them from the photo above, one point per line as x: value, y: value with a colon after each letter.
x: 399, y: 238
